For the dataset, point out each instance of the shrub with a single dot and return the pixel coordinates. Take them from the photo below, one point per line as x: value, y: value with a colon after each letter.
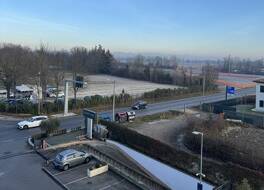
x: 244, y: 185
x: 50, y: 125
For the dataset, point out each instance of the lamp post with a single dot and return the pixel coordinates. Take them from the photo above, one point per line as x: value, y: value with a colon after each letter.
x: 200, y: 174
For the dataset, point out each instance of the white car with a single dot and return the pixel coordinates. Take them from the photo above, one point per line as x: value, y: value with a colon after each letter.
x: 31, y: 122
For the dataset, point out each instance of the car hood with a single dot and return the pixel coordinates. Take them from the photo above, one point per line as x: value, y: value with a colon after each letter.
x: 23, y: 122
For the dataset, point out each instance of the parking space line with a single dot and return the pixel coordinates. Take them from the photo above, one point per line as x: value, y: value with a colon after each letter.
x: 72, y: 169
x: 116, y: 183
x: 76, y: 180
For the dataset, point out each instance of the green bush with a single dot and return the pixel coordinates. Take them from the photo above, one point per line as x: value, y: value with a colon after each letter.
x: 50, y: 125
x: 2, y: 107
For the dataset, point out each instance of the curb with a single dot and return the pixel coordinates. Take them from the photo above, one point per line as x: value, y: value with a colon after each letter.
x: 55, y: 179
x: 29, y: 141
x: 42, y: 155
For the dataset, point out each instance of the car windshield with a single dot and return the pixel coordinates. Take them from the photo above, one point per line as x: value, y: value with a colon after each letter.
x: 59, y: 157
x: 30, y: 119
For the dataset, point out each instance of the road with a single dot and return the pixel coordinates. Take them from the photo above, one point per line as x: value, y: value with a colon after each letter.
x: 21, y: 169
x: 166, y: 105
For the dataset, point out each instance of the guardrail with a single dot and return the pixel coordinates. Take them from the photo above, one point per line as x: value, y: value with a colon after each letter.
x: 142, y: 180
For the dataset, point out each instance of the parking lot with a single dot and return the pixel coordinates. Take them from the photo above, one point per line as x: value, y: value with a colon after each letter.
x: 76, y: 178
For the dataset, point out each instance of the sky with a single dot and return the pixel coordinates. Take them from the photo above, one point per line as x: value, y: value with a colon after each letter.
x: 213, y: 28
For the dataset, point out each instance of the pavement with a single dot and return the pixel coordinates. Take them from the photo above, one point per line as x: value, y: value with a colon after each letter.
x: 16, y: 164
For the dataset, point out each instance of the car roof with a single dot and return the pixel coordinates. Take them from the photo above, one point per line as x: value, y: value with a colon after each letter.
x: 67, y: 152
x: 34, y: 117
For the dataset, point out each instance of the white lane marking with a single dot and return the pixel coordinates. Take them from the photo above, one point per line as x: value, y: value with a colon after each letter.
x: 77, y: 180
x: 71, y: 169
x: 111, y: 185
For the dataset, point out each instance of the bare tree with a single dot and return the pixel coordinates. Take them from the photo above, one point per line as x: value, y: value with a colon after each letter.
x: 78, y: 61
x: 13, y: 60
x: 58, y: 69
x: 40, y: 72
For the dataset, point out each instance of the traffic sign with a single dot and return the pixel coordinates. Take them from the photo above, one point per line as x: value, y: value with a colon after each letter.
x: 230, y: 90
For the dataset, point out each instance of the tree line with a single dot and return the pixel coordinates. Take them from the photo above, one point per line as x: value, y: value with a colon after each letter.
x: 243, y: 66
x: 166, y: 73
x: 41, y: 66
x: 44, y: 65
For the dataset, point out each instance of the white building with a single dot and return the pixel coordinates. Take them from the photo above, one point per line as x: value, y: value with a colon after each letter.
x: 259, y: 95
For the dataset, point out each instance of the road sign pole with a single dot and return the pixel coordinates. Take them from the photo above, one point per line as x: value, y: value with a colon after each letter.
x: 226, y: 93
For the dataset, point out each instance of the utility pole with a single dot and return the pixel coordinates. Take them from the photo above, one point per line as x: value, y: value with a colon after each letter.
x: 66, y: 87
x: 203, y: 85
x: 38, y: 86
x: 113, y: 119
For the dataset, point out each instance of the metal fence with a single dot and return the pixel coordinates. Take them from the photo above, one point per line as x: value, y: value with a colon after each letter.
x: 256, y: 120
x: 230, y: 111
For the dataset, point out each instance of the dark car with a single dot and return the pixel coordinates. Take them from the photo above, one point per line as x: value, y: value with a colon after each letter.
x: 105, y: 117
x: 139, y: 105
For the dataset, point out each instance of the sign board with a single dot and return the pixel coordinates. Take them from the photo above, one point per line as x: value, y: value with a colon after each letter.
x: 79, y: 83
x: 230, y: 89
x: 89, y: 114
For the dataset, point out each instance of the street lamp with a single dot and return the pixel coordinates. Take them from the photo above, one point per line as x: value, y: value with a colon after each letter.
x: 200, y: 174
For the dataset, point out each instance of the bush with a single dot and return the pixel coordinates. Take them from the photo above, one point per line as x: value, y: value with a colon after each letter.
x: 50, y: 125
x: 244, y: 185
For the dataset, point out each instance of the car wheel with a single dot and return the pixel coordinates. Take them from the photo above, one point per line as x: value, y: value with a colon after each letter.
x: 87, y: 160
x: 25, y: 127
x: 66, y: 167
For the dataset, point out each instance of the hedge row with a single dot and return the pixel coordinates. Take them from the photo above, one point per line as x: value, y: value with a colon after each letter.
x: 93, y: 101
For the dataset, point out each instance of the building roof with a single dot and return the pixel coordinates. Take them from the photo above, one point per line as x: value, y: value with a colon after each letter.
x: 259, y: 80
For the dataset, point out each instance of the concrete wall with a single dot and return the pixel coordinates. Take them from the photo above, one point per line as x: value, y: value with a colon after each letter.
x: 97, y: 171
x: 259, y: 96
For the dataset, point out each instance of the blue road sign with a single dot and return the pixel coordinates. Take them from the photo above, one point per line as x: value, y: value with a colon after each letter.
x: 231, y: 90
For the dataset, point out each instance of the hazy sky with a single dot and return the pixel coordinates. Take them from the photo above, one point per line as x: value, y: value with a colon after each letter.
x: 197, y: 27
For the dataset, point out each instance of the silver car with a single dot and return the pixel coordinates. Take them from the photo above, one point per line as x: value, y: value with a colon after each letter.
x: 68, y: 158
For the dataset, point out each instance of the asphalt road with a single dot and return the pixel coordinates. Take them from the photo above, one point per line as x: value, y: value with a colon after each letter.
x: 165, y: 106
x: 21, y: 169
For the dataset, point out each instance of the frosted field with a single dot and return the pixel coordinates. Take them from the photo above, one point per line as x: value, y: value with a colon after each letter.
x: 102, y: 85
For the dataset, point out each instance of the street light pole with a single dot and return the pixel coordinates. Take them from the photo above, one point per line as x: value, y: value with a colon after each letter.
x: 38, y: 90
x: 201, y: 160
x: 113, y: 119
x: 200, y: 174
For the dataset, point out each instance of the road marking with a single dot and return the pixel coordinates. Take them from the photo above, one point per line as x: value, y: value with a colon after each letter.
x: 71, y: 169
x: 77, y: 180
x: 116, y: 183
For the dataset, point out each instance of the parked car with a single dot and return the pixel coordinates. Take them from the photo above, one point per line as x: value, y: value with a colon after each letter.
x: 105, y: 117
x: 139, y: 105
x: 51, y: 92
x: 31, y: 122
x: 68, y: 158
